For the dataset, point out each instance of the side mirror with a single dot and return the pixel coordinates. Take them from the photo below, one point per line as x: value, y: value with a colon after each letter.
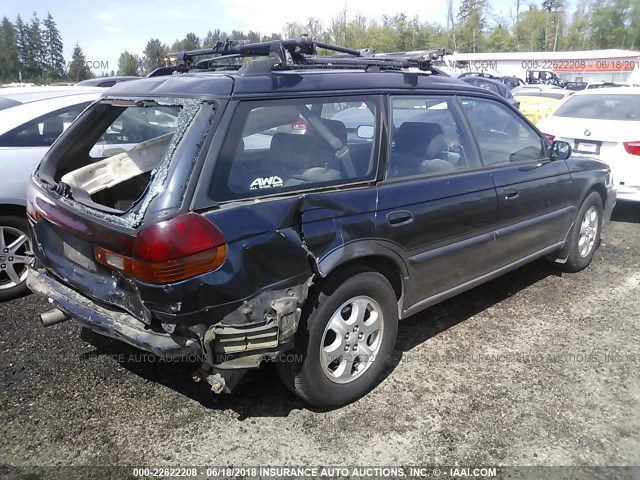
x: 365, y: 132
x: 560, y: 150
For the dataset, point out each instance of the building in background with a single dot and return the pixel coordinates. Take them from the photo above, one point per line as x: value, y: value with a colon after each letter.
x: 579, y: 66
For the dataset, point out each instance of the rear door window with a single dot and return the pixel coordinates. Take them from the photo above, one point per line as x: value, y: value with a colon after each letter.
x: 276, y: 146
x: 503, y: 136
x: 428, y: 137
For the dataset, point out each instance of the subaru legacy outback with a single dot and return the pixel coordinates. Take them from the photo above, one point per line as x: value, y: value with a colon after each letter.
x: 293, y: 207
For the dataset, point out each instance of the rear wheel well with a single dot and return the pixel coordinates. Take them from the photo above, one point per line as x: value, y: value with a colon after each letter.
x: 378, y: 263
x: 13, y: 210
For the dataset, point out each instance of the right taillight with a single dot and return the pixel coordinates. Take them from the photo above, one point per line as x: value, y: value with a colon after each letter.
x: 632, y: 148
x: 170, y: 251
x: 550, y: 137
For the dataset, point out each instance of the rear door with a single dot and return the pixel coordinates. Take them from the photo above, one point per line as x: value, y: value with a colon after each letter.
x: 535, y: 208
x: 436, y: 206
x: 294, y: 179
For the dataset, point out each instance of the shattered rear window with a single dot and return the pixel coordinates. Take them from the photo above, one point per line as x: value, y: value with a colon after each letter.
x: 122, y: 160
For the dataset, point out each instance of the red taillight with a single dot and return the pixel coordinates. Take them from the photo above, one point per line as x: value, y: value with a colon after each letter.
x: 170, y: 251
x: 550, y: 137
x: 300, y: 124
x: 632, y: 148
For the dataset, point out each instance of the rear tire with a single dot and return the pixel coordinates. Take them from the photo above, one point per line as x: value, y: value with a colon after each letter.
x: 15, y: 254
x: 585, y: 235
x: 356, y: 310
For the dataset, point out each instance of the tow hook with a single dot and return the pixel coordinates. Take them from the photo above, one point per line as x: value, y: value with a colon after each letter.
x: 52, y: 317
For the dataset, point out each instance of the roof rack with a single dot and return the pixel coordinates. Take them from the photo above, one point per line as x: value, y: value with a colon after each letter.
x: 294, y: 53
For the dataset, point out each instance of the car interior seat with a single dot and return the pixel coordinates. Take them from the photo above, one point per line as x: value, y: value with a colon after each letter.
x: 419, y: 147
x: 51, y: 130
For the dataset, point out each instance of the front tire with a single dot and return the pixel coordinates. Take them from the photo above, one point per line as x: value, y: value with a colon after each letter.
x: 585, y: 235
x: 344, y: 341
x: 15, y: 254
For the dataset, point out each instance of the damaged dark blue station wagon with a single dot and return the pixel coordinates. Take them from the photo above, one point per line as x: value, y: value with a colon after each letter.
x: 238, y: 213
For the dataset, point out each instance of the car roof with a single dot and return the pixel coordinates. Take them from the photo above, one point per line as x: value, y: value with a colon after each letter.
x: 482, y: 79
x: 34, y: 94
x: 97, y: 81
x: 343, y: 81
x: 610, y: 90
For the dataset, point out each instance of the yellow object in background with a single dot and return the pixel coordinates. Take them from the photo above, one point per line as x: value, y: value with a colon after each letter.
x: 536, y: 108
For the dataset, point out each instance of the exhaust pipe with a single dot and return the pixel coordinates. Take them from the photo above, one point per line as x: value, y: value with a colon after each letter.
x: 52, y: 317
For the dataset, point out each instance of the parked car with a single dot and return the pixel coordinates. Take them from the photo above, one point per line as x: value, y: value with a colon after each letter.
x: 31, y: 119
x: 306, y: 252
x: 494, y: 86
x: 603, y: 123
x: 510, y: 81
x: 536, y: 87
x: 536, y: 105
x: 105, y: 81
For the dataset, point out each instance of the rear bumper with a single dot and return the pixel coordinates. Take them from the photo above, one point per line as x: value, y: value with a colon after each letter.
x: 631, y: 194
x: 111, y: 323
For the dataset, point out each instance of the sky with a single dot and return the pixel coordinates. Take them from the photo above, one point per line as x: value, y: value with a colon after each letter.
x: 105, y: 29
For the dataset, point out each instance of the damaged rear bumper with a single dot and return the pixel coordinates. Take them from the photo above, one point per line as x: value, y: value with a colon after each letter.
x: 108, y: 322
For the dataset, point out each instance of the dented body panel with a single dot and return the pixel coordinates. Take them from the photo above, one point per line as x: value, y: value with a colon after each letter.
x: 430, y: 235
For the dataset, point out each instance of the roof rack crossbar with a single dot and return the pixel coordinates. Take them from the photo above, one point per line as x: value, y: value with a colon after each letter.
x: 295, y: 53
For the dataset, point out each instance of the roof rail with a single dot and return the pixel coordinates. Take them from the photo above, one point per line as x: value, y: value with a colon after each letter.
x: 293, y: 53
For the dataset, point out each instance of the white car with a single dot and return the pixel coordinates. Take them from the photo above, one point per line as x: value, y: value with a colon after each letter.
x: 603, y: 123
x: 31, y: 118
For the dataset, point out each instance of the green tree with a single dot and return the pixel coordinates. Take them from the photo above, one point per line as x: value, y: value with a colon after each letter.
x: 78, y: 69
x: 530, y: 30
x: 471, y: 25
x: 190, y: 42
x: 54, y: 59
x: 556, y: 10
x: 128, y: 64
x: 154, y: 55
x: 9, y: 59
x: 500, y: 39
x: 35, y: 53
x: 577, y: 36
x: 21, y: 45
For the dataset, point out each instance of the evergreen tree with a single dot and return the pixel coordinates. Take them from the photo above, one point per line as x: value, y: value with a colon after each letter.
x: 190, y: 42
x: 54, y: 59
x: 34, y: 50
x: 78, y: 69
x: 9, y: 60
x: 128, y: 64
x: 471, y: 25
x: 154, y: 55
x: 21, y: 45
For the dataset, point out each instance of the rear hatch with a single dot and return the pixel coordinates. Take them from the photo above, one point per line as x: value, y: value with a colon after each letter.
x: 605, y: 127
x: 124, y: 164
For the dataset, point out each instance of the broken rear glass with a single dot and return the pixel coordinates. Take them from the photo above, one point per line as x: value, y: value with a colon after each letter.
x: 121, y: 159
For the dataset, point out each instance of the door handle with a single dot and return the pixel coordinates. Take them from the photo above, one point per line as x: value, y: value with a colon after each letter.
x: 510, y: 193
x: 399, y: 218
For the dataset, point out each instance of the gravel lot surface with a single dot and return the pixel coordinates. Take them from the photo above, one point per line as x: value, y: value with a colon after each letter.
x: 534, y: 368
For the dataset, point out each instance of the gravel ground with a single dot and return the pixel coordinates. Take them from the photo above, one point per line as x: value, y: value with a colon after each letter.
x: 534, y: 368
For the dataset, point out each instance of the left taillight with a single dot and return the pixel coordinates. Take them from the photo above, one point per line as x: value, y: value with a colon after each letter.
x: 632, y: 148
x: 170, y: 251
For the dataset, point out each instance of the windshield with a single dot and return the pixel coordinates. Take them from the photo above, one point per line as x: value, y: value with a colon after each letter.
x: 601, y: 107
